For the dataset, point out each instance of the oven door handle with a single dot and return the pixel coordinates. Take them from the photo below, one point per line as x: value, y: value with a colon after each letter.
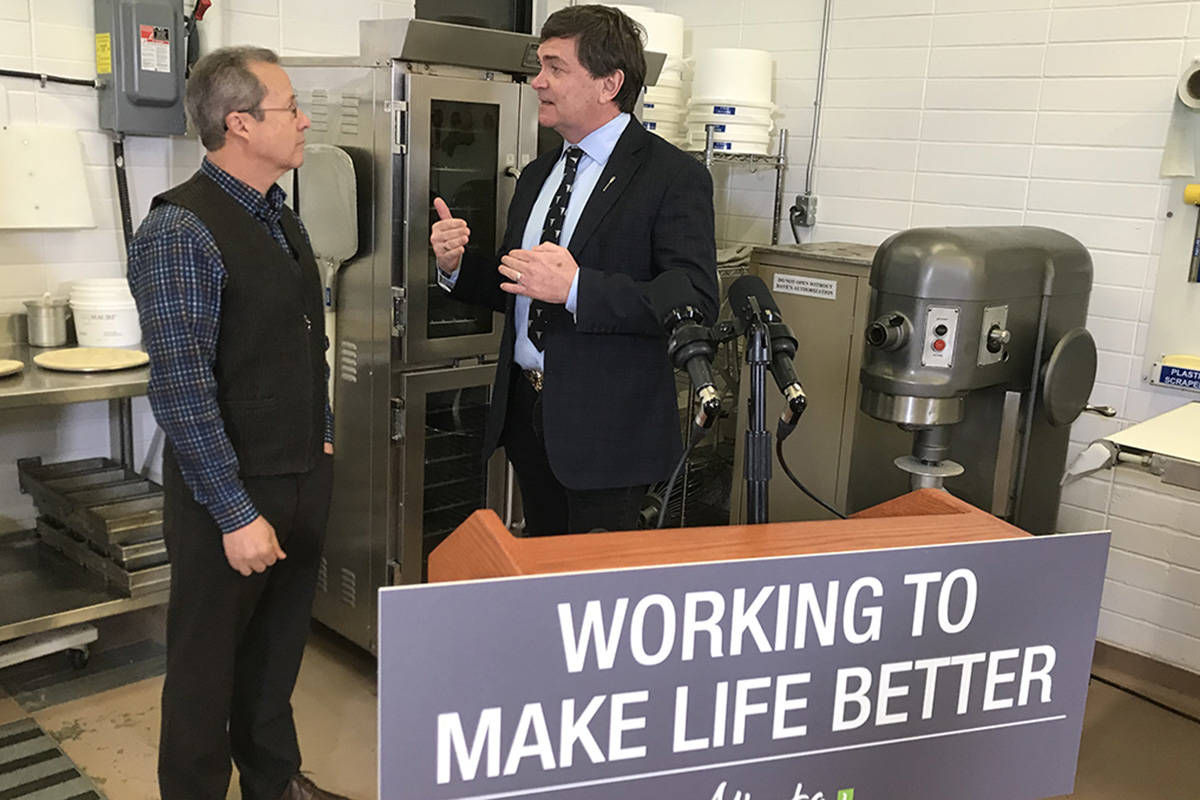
x: 512, y: 172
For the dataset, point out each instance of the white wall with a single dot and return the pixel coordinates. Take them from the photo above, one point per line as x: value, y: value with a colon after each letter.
x: 56, y: 36
x: 939, y: 112
x: 1009, y: 112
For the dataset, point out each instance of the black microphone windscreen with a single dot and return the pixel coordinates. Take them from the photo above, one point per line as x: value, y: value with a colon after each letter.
x: 749, y: 286
x: 670, y: 291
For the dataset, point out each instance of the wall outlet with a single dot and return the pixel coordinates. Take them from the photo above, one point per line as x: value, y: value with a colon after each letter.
x: 804, y: 213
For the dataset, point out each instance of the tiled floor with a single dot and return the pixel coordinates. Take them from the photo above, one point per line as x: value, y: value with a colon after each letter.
x: 1131, y: 748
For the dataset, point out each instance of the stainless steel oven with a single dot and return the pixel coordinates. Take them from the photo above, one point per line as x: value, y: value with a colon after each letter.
x: 427, y: 109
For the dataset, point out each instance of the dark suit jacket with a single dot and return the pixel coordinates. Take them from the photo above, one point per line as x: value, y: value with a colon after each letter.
x: 609, y: 402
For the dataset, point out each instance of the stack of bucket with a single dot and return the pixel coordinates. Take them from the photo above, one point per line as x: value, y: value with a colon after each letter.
x: 731, y: 89
x: 104, y: 312
x: 664, y: 109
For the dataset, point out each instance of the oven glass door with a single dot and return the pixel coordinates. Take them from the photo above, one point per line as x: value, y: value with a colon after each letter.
x: 444, y: 479
x: 462, y: 147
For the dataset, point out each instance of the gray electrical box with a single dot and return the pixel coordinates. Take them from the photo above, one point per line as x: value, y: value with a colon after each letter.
x: 140, y: 54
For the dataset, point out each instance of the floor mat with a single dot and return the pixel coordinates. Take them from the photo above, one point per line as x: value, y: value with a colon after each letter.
x: 32, y: 767
x: 51, y: 680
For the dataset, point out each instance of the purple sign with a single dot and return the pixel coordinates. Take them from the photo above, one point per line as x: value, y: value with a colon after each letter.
x: 921, y: 673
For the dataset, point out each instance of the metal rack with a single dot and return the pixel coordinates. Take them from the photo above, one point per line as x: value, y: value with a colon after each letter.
x: 777, y: 162
x: 45, y: 591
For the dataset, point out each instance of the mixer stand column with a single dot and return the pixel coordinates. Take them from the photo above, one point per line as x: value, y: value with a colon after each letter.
x: 928, y: 464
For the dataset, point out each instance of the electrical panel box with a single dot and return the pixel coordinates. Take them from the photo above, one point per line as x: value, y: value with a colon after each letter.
x: 140, y: 55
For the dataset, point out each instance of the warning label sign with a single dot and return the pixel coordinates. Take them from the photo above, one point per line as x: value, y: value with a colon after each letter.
x: 103, y: 53
x: 809, y: 287
x: 156, y: 48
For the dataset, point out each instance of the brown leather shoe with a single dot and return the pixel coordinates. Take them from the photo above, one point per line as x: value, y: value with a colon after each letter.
x: 301, y: 788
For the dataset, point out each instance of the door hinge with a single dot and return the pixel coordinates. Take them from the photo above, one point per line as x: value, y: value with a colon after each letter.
x: 399, y: 134
x: 399, y: 311
x: 397, y: 419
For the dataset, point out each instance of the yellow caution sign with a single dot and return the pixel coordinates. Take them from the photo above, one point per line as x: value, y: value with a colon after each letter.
x: 103, y: 53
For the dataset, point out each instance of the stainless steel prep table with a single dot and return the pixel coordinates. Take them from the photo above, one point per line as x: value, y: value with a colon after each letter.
x: 40, y: 589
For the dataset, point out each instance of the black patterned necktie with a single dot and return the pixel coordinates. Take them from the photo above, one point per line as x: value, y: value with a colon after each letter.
x: 539, y: 312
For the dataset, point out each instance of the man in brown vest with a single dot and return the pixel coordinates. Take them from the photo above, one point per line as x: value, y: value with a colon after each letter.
x: 230, y: 305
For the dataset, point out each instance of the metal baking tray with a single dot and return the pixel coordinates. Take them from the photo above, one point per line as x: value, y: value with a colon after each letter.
x: 140, y: 556
x: 48, y: 483
x: 96, y: 499
x: 130, y: 582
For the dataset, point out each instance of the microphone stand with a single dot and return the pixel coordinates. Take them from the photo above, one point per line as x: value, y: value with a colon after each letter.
x: 758, y: 438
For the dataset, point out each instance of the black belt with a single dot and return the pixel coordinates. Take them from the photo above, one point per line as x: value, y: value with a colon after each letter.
x: 536, y: 378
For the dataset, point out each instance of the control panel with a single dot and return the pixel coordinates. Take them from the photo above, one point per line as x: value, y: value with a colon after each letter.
x: 941, y: 330
x: 140, y: 64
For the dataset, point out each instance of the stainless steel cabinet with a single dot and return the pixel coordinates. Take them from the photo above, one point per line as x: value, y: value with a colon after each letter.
x: 421, y: 115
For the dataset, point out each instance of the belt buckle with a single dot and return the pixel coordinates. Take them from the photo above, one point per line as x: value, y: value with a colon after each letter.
x: 535, y: 377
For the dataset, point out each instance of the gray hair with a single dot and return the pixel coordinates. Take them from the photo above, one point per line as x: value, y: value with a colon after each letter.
x: 222, y: 82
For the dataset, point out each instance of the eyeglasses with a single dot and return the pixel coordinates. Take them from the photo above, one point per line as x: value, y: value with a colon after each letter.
x: 293, y: 109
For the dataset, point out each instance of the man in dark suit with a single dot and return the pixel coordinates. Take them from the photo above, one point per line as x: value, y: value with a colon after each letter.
x: 584, y: 401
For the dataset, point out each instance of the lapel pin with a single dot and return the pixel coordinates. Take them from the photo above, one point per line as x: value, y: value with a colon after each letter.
x: 610, y: 183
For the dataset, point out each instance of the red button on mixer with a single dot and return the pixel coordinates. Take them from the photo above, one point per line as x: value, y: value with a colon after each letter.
x: 939, y: 345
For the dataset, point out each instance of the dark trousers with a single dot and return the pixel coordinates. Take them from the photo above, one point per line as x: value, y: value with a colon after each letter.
x: 550, y: 507
x: 234, y: 643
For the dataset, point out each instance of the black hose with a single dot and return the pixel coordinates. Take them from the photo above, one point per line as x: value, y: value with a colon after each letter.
x: 697, y: 435
x: 802, y: 487
x: 123, y: 189
x: 38, y: 76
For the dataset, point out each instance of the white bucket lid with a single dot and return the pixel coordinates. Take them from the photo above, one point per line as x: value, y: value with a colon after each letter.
x: 699, y: 136
x: 668, y: 94
x: 665, y: 116
x: 664, y: 105
x: 98, y: 288
x: 750, y: 148
x: 732, y: 130
x: 666, y: 130
x: 699, y: 101
x: 733, y: 72
x: 742, y: 116
x: 664, y: 32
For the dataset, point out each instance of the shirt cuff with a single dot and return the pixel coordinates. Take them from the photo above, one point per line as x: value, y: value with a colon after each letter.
x: 446, y: 280
x: 236, y: 513
x: 573, y: 295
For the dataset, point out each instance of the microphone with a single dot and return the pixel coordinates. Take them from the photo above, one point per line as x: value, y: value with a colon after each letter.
x: 691, y: 345
x: 783, y: 342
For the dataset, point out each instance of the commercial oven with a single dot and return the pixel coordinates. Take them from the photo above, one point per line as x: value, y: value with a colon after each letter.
x: 427, y: 109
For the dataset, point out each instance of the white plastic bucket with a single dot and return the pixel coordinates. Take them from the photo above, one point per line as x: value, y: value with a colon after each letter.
x: 732, y: 146
x: 670, y: 95
x: 105, y: 314
x: 664, y: 33
x: 668, y: 81
x: 664, y: 112
x: 707, y: 112
x: 667, y: 130
x: 733, y: 73
x: 732, y: 130
x: 697, y: 134
x: 669, y: 78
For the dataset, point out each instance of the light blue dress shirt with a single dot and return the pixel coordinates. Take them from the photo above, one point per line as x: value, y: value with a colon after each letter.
x: 597, y: 147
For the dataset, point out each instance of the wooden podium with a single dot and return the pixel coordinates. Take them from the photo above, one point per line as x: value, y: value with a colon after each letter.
x: 483, y: 548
